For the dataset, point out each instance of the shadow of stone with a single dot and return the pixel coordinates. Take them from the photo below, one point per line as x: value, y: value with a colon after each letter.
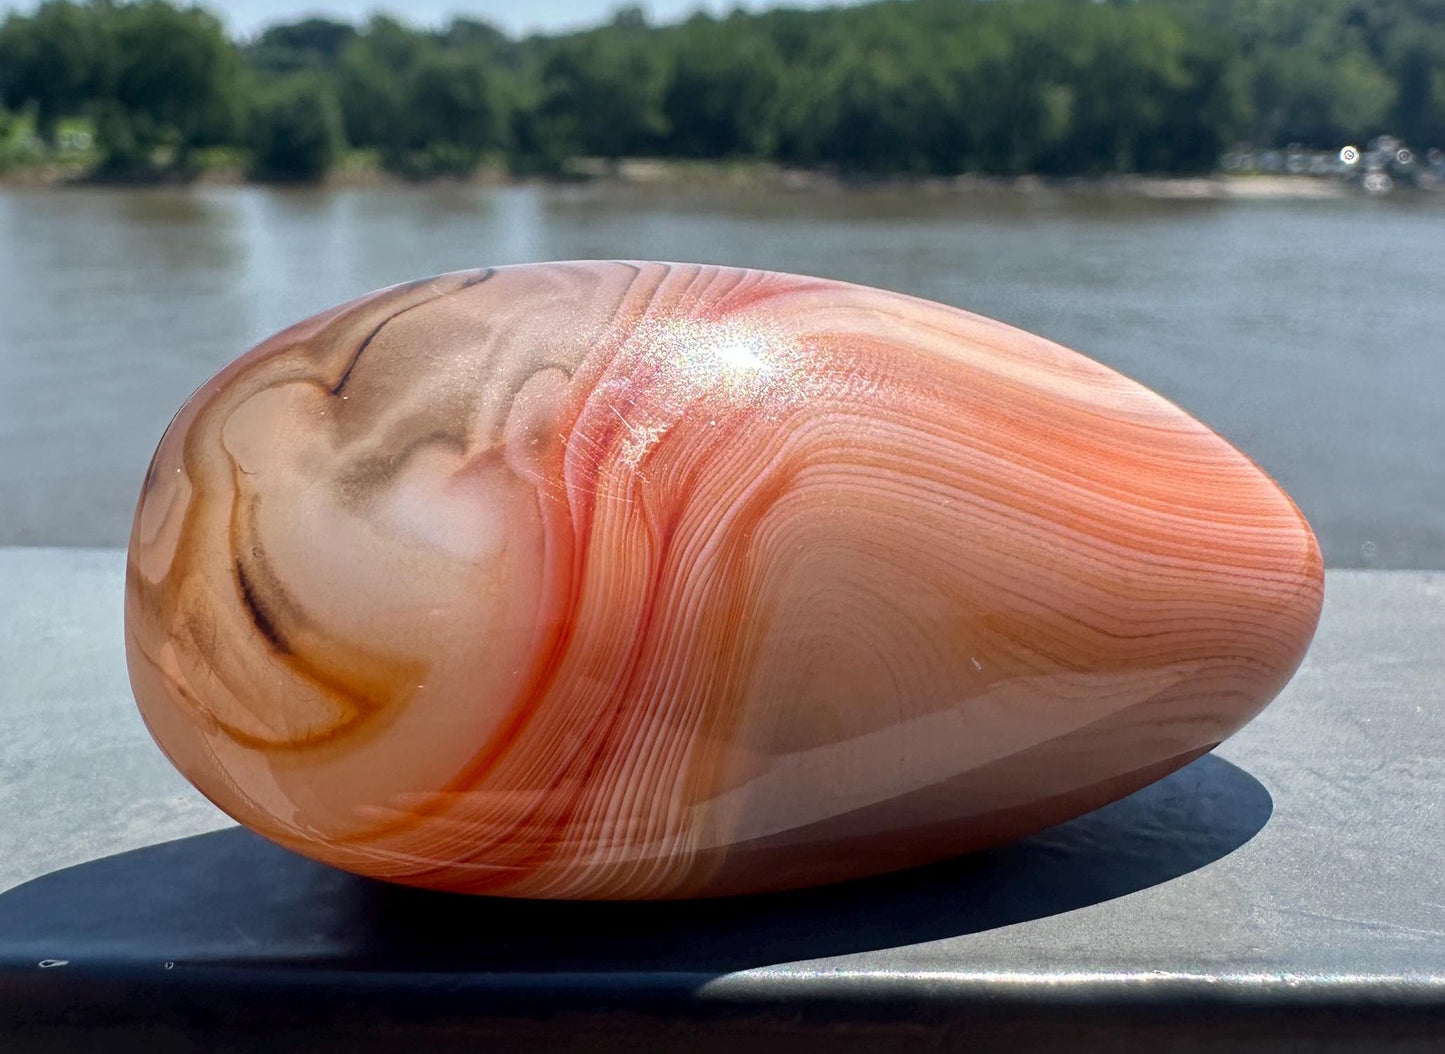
x: 231, y: 899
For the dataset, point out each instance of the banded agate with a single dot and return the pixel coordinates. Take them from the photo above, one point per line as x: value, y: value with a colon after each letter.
x: 612, y: 580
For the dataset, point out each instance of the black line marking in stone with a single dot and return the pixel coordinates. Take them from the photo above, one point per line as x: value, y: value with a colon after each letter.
x: 259, y: 615
x: 477, y: 279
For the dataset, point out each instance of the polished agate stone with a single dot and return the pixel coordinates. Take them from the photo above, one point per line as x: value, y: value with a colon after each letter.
x: 614, y: 580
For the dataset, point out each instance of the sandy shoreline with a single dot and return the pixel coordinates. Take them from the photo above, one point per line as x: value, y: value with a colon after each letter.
x: 744, y: 176
x: 1199, y: 188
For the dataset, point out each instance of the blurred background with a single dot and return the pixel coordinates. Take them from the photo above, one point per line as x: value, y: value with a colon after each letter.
x: 1237, y: 202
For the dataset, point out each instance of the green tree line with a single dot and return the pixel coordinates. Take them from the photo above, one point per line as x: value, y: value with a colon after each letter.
x: 899, y: 86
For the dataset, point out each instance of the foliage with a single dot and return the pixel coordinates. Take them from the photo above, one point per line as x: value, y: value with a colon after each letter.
x: 1323, y: 72
x: 898, y: 86
x: 54, y: 61
x: 312, y: 43
x: 295, y: 129
x: 430, y: 105
x: 17, y: 146
x: 174, y: 75
x: 157, y: 79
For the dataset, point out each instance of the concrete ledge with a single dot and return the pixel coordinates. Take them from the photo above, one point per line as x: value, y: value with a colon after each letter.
x: 1283, y: 891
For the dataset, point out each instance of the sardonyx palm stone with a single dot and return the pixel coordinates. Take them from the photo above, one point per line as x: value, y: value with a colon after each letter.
x: 614, y: 580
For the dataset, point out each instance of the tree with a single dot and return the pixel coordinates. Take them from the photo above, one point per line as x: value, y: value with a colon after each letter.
x: 310, y: 44
x: 370, y: 83
x: 478, y: 38
x: 296, y: 130
x: 913, y: 86
x: 431, y: 104
x: 457, y: 115
x: 323, y: 37
x: 721, y: 99
x: 53, y: 61
x: 175, y: 76
x: 602, y: 93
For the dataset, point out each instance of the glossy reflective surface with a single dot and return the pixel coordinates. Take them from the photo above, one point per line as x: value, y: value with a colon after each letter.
x: 629, y: 581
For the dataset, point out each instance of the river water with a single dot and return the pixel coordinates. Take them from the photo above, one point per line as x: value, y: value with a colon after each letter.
x: 1310, y: 333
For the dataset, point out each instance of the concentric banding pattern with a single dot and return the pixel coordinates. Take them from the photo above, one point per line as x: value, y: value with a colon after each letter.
x: 643, y: 580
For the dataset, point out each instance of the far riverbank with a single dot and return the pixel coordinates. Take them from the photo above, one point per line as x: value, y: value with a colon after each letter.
x: 744, y: 176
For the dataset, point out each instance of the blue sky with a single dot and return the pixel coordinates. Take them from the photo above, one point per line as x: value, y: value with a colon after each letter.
x: 245, y: 17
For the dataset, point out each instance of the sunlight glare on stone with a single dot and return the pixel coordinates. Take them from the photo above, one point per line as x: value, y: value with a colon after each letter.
x: 741, y: 354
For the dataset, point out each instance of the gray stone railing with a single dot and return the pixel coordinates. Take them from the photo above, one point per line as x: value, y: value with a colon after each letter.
x: 1286, y: 891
